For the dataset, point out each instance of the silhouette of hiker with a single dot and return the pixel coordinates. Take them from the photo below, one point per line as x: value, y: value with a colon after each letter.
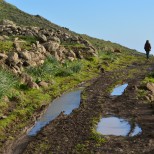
x: 147, y: 48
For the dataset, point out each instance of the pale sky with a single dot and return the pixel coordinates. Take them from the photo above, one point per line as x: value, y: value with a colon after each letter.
x: 127, y: 22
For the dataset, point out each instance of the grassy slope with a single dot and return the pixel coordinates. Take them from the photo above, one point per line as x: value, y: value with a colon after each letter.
x: 10, y: 12
x: 23, y: 102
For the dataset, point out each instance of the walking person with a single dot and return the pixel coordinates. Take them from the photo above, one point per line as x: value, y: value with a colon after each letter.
x: 147, y: 48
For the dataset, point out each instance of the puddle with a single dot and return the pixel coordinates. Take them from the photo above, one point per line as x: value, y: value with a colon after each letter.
x: 117, y: 126
x: 137, y: 130
x: 67, y: 102
x: 118, y: 90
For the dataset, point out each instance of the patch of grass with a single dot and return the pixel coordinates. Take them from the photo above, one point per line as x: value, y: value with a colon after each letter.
x: 7, y: 81
x: 97, y: 137
x: 10, y: 12
x: 80, y: 148
x: 6, y: 46
x: 141, y: 93
x: 28, y: 39
x: 52, y: 68
x: 30, y: 101
x: 149, y: 78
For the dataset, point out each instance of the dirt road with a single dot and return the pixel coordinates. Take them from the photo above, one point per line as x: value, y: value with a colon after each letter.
x: 76, y: 133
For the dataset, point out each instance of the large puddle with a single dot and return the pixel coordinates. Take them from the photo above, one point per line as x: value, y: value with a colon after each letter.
x: 118, y: 90
x: 118, y: 127
x: 67, y: 102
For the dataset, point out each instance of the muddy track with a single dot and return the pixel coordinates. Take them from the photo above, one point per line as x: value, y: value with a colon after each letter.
x: 63, y: 134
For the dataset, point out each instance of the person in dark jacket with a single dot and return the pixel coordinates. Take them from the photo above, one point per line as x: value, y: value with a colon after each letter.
x: 147, y: 48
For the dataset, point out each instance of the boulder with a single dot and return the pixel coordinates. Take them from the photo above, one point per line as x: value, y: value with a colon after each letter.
x: 7, y: 22
x: 51, y: 46
x: 12, y: 59
x: 40, y: 48
x: 71, y: 54
x: 54, y: 38
x: 42, y: 38
x: 25, y: 55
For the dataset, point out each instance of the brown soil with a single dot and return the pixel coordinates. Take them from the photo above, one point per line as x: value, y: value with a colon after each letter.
x: 73, y: 133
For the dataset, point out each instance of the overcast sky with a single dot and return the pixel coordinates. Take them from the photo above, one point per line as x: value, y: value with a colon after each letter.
x: 127, y: 22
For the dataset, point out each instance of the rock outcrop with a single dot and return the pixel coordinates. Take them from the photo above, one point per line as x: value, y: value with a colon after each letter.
x: 63, y: 46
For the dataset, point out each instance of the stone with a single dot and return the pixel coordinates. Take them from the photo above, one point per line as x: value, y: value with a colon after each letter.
x: 57, y: 56
x: 71, y: 58
x: 40, y: 48
x: 72, y: 54
x: 13, y: 58
x: 25, y: 78
x: 32, y: 85
x: 25, y: 55
x: 51, y: 46
x: 16, y: 70
x: 43, y: 84
x: 150, y: 86
x: 5, y: 37
x: 79, y: 54
x: 3, y: 117
x: 42, y: 38
x: 54, y: 38
x: 8, y: 22
x: 3, y: 56
x: 147, y: 98
x: 17, y: 46
x: 117, y: 50
x: 1, y: 38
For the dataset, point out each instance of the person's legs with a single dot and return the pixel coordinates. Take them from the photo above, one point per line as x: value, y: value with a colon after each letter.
x: 147, y: 54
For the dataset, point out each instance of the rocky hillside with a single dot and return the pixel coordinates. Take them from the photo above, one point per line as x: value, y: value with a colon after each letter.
x: 29, y: 46
x: 40, y: 60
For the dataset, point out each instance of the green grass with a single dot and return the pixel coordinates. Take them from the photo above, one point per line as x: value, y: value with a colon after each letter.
x: 11, y: 12
x: 7, y: 81
x: 149, y: 78
x: 52, y: 68
x: 6, y: 46
x: 97, y: 137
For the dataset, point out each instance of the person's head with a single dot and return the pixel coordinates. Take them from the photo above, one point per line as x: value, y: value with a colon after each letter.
x: 147, y: 41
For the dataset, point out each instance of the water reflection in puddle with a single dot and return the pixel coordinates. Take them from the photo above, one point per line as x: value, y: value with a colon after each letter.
x: 117, y: 126
x: 117, y: 91
x: 67, y: 102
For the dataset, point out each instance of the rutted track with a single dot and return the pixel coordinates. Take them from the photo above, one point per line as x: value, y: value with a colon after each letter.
x: 63, y: 134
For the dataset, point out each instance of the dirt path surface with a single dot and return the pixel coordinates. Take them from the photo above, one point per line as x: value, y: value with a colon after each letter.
x: 75, y: 133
